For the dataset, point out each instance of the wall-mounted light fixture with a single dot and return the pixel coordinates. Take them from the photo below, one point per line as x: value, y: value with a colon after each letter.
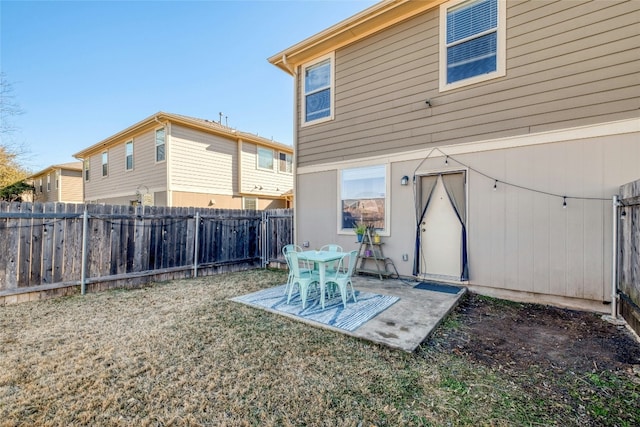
x: 404, y: 180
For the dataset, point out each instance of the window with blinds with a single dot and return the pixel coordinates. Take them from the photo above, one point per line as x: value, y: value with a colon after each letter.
x: 317, y: 102
x: 472, y: 42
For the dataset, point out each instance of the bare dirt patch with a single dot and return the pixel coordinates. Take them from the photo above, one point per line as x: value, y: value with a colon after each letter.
x: 571, y: 367
x: 517, y: 336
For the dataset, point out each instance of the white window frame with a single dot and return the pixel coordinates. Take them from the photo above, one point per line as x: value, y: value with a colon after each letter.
x: 247, y: 201
x: 303, y: 92
x: 48, y: 182
x: 156, y: 145
x: 104, y: 157
x: 387, y: 199
x: 271, y: 153
x: 288, y: 156
x: 87, y: 168
x: 126, y: 156
x: 57, y: 180
x: 501, y: 51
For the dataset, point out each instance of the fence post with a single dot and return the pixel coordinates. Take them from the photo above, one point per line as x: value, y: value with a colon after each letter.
x: 195, y: 244
x: 264, y: 240
x: 85, y: 229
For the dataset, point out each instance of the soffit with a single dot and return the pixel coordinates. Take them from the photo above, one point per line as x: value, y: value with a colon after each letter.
x: 359, y: 26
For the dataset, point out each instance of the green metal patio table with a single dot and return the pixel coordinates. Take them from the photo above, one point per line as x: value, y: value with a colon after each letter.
x: 321, y: 258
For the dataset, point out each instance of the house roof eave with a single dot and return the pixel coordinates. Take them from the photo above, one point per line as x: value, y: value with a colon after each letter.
x: 75, y: 166
x: 363, y: 24
x: 163, y: 117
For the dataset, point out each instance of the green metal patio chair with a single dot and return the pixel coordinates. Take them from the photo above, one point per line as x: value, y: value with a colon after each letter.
x: 304, y: 279
x: 342, y: 276
x: 285, y: 251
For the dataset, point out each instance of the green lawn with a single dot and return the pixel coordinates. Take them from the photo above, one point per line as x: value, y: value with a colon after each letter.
x: 180, y: 353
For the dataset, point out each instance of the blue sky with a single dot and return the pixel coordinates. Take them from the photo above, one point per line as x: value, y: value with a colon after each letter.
x: 85, y: 70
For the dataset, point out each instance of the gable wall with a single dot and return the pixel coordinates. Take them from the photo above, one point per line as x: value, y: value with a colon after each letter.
x: 121, y: 184
x: 202, y: 163
x: 71, y: 185
x: 568, y: 64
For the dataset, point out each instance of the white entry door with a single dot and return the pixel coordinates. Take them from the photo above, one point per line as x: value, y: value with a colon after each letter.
x: 440, y: 242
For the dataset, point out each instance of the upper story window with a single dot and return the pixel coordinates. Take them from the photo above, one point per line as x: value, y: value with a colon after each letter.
x: 105, y: 163
x: 286, y: 163
x: 57, y: 180
x: 160, y: 143
x: 472, y: 42
x: 86, y: 169
x: 48, y: 182
x: 363, y: 198
x: 128, y: 156
x: 317, y: 90
x: 265, y: 158
x: 41, y: 185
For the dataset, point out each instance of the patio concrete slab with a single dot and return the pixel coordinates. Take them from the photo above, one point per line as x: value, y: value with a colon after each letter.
x: 408, y: 322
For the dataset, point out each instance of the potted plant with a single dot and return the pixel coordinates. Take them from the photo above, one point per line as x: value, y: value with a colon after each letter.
x: 360, y: 229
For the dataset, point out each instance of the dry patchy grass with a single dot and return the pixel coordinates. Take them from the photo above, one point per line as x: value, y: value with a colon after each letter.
x: 181, y: 353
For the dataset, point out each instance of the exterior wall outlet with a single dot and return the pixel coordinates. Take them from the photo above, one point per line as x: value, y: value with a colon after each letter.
x: 305, y: 244
x: 405, y: 257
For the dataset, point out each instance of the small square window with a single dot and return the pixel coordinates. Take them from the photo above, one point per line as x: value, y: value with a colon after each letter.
x: 286, y: 163
x: 250, y: 203
x: 265, y: 158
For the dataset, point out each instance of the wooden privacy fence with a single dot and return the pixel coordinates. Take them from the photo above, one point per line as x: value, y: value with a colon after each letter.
x: 52, y: 249
x: 628, y: 268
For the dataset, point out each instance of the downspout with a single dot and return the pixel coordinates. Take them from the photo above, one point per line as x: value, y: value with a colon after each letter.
x: 59, y: 181
x: 293, y: 72
x: 240, y: 188
x: 614, y: 261
x: 166, y: 159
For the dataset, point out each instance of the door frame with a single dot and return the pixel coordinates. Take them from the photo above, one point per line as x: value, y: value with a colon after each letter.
x: 418, y: 196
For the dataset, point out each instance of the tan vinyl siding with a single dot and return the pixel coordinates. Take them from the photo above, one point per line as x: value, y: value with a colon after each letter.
x: 273, y: 182
x: 71, y: 185
x: 121, y: 184
x: 207, y: 200
x: 568, y: 64
x: 202, y: 163
x: 44, y: 195
x: 518, y: 241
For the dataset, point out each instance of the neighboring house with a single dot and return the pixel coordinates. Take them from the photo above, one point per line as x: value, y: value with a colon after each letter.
x: 484, y: 139
x: 174, y: 160
x: 58, y: 183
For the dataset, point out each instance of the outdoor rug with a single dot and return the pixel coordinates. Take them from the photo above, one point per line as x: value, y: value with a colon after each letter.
x: 438, y: 287
x: 334, y: 313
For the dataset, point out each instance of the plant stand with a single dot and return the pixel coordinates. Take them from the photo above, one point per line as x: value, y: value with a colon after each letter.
x: 371, y: 260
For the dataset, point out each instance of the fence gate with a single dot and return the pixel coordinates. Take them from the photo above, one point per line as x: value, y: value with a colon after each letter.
x: 628, y: 268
